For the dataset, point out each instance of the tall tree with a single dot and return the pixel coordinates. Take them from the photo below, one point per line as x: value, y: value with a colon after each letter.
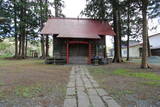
x: 15, y: 29
x: 117, y: 56
x: 128, y: 30
x: 98, y: 9
x: 58, y: 6
x: 41, y: 26
x: 47, y: 38
x: 144, y: 63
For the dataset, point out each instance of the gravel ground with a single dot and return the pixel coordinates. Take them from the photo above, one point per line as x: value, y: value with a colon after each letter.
x: 154, y: 60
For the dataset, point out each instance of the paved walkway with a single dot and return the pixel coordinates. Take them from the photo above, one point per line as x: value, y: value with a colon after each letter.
x: 83, y: 91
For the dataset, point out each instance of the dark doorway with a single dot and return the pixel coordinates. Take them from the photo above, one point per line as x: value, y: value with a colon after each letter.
x: 78, y: 53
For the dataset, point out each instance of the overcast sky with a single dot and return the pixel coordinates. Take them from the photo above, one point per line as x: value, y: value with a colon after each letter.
x: 73, y: 7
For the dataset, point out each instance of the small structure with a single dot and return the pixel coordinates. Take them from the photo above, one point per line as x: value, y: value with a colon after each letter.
x: 155, y: 44
x: 34, y: 53
x: 135, y: 50
x: 77, y: 41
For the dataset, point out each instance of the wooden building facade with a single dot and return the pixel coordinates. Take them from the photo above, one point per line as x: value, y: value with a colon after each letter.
x: 77, y: 41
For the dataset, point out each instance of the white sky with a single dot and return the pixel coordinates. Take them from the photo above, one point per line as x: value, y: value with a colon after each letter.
x: 73, y: 7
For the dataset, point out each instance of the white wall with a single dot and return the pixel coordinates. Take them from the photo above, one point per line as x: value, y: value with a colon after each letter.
x: 133, y: 52
x: 155, y: 41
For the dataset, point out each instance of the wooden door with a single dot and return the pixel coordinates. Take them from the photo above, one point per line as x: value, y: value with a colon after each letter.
x: 78, y: 54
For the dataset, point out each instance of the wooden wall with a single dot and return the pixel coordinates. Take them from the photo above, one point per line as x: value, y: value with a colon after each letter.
x: 60, y: 46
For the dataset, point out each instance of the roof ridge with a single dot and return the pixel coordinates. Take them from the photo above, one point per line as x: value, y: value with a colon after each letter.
x: 70, y: 18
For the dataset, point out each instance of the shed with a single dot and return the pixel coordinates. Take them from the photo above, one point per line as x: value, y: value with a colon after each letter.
x: 155, y: 44
x: 78, y: 40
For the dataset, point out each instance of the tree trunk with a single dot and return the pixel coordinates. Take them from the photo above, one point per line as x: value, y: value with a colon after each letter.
x: 20, y: 45
x: 23, y: 31
x: 46, y: 11
x: 119, y: 31
x: 22, y: 27
x: 117, y: 57
x: 42, y: 47
x: 41, y: 24
x: 23, y: 46
x: 144, y: 63
x: 26, y: 45
x: 15, y: 27
x: 128, y: 30
x: 56, y: 8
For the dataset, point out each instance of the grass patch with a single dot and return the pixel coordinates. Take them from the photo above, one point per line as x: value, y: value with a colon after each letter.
x: 97, y: 70
x: 152, y: 83
x: 116, y: 94
x: 125, y: 72
x: 22, y: 91
x: 28, y: 91
x: 124, y: 92
x: 4, y: 62
x: 146, y: 75
x: 2, y: 83
x: 6, y: 56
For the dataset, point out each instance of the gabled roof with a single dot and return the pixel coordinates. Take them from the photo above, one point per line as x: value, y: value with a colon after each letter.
x: 77, y: 28
x: 134, y: 45
x: 157, y: 34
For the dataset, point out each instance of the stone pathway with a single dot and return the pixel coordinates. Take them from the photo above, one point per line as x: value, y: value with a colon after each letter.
x: 83, y: 91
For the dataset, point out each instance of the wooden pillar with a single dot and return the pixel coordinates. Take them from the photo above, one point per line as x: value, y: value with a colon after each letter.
x: 53, y: 46
x: 47, y: 46
x: 43, y: 46
x: 105, y: 52
x: 97, y: 49
x: 105, y: 49
x: 67, y: 52
x: 89, y: 53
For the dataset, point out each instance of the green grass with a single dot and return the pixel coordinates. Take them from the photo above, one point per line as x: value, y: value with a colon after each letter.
x: 125, y: 72
x: 21, y: 62
x: 98, y: 70
x: 28, y: 91
x: 2, y: 83
x: 152, y: 78
x: 152, y: 83
x: 5, y: 56
x: 121, y: 92
x: 146, y: 75
x: 22, y: 91
x: 2, y: 95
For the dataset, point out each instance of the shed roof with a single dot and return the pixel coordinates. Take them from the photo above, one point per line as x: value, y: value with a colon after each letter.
x: 77, y: 28
x: 157, y: 34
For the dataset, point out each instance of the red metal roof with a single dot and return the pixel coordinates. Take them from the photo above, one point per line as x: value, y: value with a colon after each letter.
x: 77, y: 28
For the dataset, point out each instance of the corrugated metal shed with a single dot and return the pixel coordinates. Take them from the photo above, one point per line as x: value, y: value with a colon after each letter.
x: 77, y: 28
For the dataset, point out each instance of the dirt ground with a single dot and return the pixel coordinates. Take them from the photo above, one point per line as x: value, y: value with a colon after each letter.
x: 30, y: 83
x: 137, y: 88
